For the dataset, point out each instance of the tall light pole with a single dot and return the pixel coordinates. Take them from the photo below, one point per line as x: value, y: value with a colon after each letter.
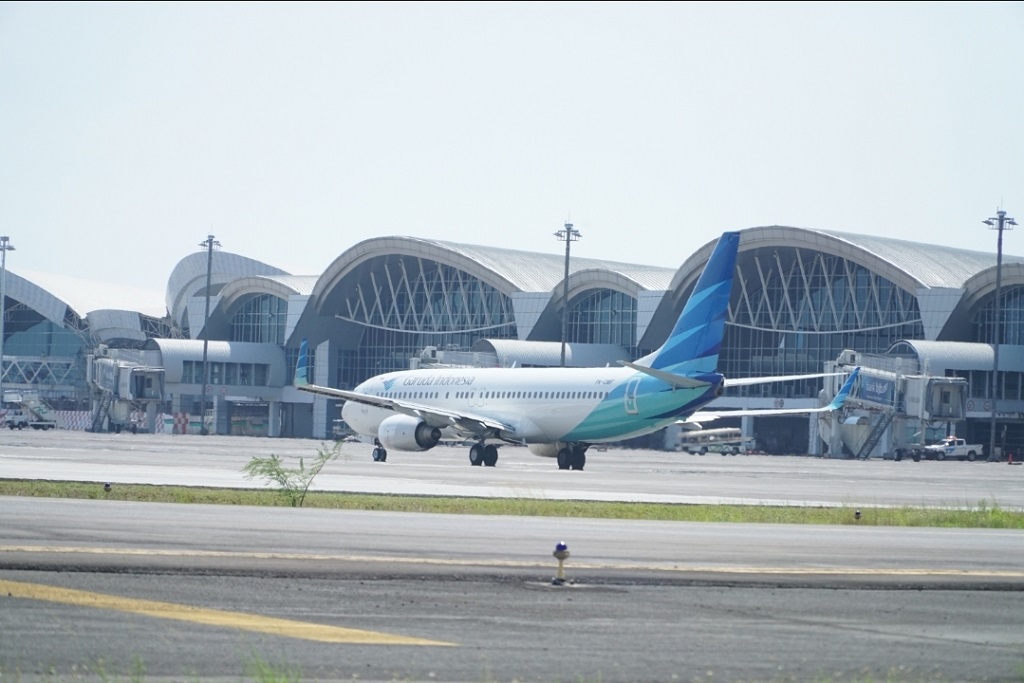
x: 209, y: 243
x: 568, y: 235
x: 5, y: 246
x: 1000, y: 222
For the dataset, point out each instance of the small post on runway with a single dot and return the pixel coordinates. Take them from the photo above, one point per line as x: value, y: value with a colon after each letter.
x: 561, y: 554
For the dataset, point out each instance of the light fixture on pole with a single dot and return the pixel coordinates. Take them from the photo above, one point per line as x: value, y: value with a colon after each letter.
x: 5, y: 246
x: 209, y: 243
x: 1000, y: 222
x: 568, y: 235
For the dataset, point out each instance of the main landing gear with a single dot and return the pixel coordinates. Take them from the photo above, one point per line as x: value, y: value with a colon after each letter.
x: 379, y: 454
x: 573, y: 457
x: 483, y: 454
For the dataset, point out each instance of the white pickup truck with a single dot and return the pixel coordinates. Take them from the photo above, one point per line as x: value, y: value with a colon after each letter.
x: 953, y: 448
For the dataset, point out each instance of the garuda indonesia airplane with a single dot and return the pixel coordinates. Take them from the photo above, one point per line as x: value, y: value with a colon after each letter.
x: 560, y: 412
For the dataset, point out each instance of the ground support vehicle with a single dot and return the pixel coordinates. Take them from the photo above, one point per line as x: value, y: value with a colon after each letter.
x: 950, y: 448
x: 19, y: 419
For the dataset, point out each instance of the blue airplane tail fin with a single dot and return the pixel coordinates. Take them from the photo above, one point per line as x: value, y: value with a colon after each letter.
x: 844, y: 391
x: 302, y: 365
x: 696, y: 339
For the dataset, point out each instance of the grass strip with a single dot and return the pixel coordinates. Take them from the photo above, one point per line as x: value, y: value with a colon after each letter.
x: 981, y: 515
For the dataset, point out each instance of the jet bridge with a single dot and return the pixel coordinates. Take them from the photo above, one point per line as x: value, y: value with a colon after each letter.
x: 118, y: 388
x: 890, y: 411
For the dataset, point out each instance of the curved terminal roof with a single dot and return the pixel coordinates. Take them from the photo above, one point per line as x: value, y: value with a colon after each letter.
x: 509, y: 270
x: 931, y: 265
x: 281, y: 286
x: 908, y: 264
x: 38, y: 299
x: 109, y: 325
x: 188, y: 279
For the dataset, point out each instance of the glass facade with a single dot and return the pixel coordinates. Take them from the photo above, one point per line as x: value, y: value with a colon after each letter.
x: 794, y: 309
x: 603, y: 317
x: 43, y: 356
x: 1009, y: 384
x: 405, y: 304
x: 261, y: 319
x: 1011, y: 313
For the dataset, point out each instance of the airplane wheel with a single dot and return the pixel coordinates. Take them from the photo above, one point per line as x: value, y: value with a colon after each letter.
x: 380, y: 455
x: 579, y: 460
x: 490, y: 455
x: 564, y: 459
x: 476, y: 455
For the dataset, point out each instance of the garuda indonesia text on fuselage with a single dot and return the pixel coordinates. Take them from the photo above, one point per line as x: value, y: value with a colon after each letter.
x: 558, y: 412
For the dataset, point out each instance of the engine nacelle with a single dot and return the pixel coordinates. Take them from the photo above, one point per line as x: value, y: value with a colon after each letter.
x: 546, y: 450
x: 406, y: 433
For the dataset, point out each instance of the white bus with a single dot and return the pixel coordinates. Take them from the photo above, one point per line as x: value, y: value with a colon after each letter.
x: 727, y: 441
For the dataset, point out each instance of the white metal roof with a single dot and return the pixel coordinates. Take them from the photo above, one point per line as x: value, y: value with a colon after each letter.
x: 949, y: 355
x: 548, y: 354
x: 932, y: 265
x: 174, y: 352
x: 189, y: 277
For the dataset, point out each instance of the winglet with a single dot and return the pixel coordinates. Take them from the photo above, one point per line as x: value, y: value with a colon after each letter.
x: 302, y: 366
x: 844, y: 391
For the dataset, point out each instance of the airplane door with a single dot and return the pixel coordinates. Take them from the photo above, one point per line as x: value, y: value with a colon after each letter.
x: 631, y: 389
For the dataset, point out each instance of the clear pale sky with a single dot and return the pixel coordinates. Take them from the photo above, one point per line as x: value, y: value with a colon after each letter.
x: 130, y: 131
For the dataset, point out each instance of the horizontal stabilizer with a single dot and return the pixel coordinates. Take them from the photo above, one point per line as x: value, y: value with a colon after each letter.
x: 769, y: 379
x: 835, y: 404
x: 667, y: 377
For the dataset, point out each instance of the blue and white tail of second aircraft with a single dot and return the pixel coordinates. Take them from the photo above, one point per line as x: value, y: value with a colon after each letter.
x: 558, y: 412
x: 696, y: 339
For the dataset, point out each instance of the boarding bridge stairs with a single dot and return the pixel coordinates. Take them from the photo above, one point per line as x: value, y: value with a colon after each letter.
x: 885, y: 418
x: 102, y: 410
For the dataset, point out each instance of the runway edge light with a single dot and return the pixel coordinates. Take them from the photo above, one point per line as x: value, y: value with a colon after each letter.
x: 561, y: 554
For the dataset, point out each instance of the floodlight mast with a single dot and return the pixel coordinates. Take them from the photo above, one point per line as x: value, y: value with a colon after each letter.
x: 567, y: 235
x: 1000, y: 222
x: 5, y: 246
x: 209, y: 243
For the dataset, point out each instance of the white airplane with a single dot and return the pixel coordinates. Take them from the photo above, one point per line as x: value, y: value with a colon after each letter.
x: 560, y: 412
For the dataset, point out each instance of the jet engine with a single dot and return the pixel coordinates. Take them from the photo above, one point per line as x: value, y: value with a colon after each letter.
x: 406, y: 433
x: 546, y: 450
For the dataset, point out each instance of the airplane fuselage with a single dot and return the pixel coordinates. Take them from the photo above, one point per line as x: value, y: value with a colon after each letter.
x: 539, y: 405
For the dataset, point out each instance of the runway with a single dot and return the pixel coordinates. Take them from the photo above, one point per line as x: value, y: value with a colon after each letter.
x: 198, y: 592
x: 613, y: 474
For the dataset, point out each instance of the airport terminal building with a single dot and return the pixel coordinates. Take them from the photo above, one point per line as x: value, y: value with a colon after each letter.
x: 803, y: 301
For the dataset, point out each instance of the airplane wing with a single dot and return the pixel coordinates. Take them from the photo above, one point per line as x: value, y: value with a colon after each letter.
x: 437, y: 417
x: 835, y: 404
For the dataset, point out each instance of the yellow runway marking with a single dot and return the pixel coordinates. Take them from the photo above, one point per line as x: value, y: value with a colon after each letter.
x: 480, y: 562
x: 209, y: 617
